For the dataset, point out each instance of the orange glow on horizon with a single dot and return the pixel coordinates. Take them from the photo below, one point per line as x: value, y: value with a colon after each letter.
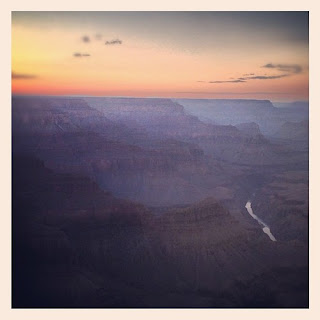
x: 44, y: 64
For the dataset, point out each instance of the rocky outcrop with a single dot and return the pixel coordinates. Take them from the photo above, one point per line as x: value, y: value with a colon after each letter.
x: 147, y: 150
x: 164, y: 118
x: 235, y: 111
x: 228, y: 111
x: 159, y: 117
x: 284, y: 205
x: 72, y: 137
x: 297, y: 131
x: 49, y: 116
x: 249, y: 128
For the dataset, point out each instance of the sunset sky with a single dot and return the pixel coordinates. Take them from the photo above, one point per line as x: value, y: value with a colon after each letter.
x: 261, y: 55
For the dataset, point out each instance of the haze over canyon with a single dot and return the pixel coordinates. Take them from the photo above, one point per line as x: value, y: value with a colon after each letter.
x: 160, y: 159
x: 144, y: 202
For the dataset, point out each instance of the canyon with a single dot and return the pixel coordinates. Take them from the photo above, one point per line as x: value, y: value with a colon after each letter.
x: 137, y: 202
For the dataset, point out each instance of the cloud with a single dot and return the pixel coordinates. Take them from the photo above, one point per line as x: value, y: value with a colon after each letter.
x: 85, y: 39
x: 245, y: 79
x: 268, y: 77
x: 232, y: 81
x: 15, y: 75
x: 98, y: 36
x: 291, y: 68
x: 79, y: 55
x: 113, y: 42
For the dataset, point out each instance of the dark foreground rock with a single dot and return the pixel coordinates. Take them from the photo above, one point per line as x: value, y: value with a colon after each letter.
x: 75, y: 245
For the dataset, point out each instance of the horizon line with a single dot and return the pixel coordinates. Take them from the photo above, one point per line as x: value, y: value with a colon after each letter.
x: 149, y: 97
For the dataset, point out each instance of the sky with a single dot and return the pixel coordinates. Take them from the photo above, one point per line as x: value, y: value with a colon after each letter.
x: 260, y: 55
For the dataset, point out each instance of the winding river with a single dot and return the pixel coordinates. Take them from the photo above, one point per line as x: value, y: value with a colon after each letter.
x: 265, y: 228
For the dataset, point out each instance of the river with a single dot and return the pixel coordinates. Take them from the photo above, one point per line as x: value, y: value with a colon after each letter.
x: 265, y: 228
